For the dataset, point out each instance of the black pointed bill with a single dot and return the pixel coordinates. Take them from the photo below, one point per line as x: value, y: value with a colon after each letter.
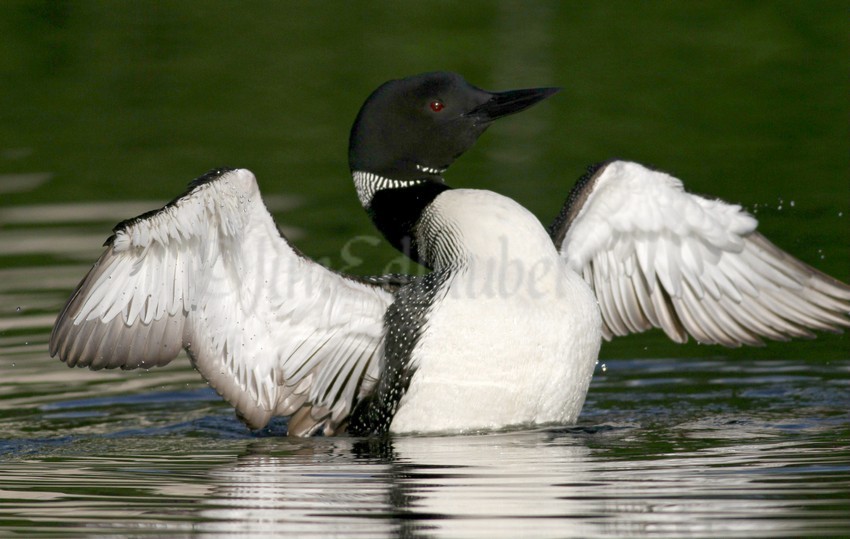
x: 502, y: 104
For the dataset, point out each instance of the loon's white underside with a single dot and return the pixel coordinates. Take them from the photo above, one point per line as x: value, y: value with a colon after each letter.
x: 514, y: 336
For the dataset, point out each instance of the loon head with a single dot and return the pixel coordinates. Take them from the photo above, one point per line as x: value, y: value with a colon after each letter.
x: 409, y: 131
x: 414, y: 128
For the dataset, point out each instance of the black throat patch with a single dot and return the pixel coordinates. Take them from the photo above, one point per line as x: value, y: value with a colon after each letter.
x: 396, y: 211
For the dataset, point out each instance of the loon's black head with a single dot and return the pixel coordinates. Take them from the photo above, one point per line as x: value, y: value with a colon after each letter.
x: 407, y: 134
x: 416, y: 127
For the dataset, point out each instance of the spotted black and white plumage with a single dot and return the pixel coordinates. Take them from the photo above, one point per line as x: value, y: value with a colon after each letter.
x: 405, y: 320
x: 504, y: 331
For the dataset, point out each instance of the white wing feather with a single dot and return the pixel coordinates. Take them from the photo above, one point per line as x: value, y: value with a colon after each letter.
x: 657, y: 256
x: 273, y: 332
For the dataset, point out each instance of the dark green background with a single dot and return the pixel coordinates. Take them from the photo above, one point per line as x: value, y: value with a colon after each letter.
x: 747, y: 101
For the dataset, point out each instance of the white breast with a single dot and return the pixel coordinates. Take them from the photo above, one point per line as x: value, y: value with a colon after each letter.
x: 515, y: 337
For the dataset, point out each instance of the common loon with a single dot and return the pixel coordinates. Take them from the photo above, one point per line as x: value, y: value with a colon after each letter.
x: 505, y: 329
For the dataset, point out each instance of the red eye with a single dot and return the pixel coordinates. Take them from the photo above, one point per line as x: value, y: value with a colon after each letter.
x: 437, y: 106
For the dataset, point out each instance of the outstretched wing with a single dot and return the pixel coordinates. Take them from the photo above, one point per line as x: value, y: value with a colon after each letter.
x: 273, y: 332
x: 657, y: 256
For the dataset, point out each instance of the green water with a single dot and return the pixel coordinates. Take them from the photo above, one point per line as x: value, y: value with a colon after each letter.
x: 108, y: 109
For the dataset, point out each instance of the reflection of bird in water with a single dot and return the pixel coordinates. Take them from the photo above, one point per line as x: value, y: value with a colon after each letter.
x: 298, y: 487
x: 505, y: 330
x: 399, y: 487
x: 565, y: 483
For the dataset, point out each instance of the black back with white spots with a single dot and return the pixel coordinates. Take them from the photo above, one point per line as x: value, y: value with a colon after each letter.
x: 405, y: 321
